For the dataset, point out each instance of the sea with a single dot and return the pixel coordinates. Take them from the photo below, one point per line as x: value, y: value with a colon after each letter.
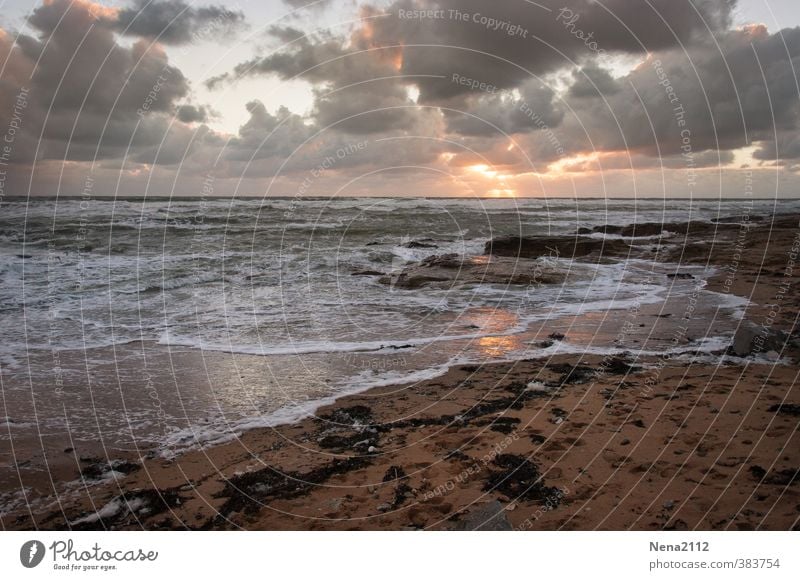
x: 159, y: 325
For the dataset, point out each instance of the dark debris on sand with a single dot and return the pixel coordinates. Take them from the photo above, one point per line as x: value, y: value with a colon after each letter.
x: 249, y: 492
x: 150, y: 503
x: 98, y: 468
x: 782, y: 477
x: 790, y: 409
x: 518, y: 478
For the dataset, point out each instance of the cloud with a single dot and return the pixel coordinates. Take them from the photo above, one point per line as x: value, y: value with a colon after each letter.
x: 361, y: 81
x: 176, y: 22
x: 532, y: 107
x: 504, y: 43
x: 593, y: 81
x: 266, y: 135
x: 720, y: 94
x: 577, y: 88
x: 88, y: 96
x: 192, y: 114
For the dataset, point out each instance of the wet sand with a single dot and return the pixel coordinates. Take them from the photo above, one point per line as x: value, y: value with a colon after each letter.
x: 572, y: 441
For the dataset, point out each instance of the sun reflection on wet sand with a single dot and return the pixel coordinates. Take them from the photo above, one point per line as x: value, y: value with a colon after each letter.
x: 499, y: 346
x: 490, y: 321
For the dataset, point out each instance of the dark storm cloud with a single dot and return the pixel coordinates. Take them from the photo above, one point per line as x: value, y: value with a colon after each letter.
x: 439, y: 91
x: 192, y: 114
x: 357, y: 88
x: 361, y: 81
x: 593, y: 81
x: 533, y: 108
x: 722, y: 94
x: 503, y: 43
x: 266, y: 135
x: 176, y: 22
x: 90, y: 97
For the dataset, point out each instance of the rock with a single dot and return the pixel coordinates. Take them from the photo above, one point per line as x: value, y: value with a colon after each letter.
x: 742, y: 341
x: 647, y: 229
x: 738, y: 219
x: 415, y: 244
x: 790, y: 409
x: 450, y: 269
x: 681, y: 276
x: 99, y: 468
x: 669, y: 504
x: 366, y: 273
x: 384, y: 507
x: 487, y: 518
x: 617, y: 366
x: 751, y: 341
x: 555, y: 246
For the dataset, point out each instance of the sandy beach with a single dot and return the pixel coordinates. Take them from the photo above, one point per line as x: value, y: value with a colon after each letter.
x: 687, y: 440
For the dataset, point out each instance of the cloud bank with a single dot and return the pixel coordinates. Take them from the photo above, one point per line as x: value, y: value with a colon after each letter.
x: 508, y: 98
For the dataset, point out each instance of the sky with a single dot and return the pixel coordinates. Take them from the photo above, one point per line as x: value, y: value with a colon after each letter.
x: 513, y: 98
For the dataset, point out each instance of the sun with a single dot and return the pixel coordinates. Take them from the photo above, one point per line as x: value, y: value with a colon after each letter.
x: 498, y: 189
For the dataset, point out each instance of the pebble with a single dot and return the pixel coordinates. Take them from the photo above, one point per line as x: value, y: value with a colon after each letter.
x: 669, y: 504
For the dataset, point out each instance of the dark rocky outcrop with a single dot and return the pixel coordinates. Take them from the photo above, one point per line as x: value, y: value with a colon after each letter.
x: 556, y: 247
x: 416, y: 244
x: 648, y: 229
x: 451, y: 269
x: 752, y: 341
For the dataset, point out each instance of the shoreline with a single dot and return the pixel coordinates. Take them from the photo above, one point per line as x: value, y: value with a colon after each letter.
x: 503, y: 454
